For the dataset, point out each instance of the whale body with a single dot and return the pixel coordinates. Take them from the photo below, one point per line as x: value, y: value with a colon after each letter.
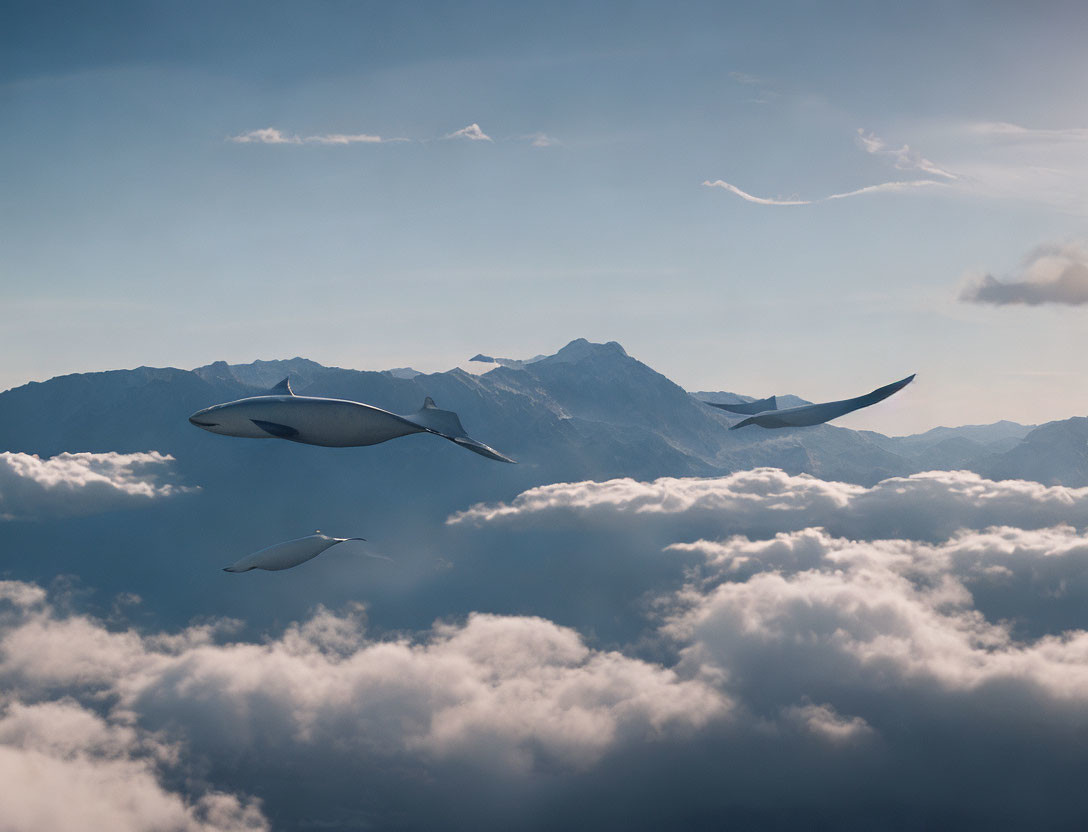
x: 815, y: 414
x: 336, y: 423
x: 287, y: 554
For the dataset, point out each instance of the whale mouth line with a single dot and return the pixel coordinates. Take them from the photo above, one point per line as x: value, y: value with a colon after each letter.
x: 200, y: 424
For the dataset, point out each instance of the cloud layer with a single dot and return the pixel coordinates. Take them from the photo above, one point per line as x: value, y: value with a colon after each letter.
x: 81, y: 483
x: 506, y: 696
x: 921, y: 641
x: 926, y: 506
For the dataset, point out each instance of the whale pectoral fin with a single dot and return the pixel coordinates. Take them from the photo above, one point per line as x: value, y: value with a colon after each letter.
x: 276, y: 429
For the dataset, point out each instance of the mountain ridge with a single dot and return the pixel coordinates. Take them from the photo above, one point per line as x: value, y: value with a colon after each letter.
x: 593, y: 413
x: 594, y: 410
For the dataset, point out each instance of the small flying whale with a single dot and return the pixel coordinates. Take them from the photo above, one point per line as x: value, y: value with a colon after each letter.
x: 335, y: 423
x: 815, y: 414
x: 289, y: 553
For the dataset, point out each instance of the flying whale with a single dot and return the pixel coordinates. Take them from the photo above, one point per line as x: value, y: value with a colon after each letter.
x: 335, y: 423
x: 815, y: 414
x: 287, y: 554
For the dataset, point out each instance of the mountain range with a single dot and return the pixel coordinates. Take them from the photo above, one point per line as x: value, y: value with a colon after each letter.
x: 589, y: 411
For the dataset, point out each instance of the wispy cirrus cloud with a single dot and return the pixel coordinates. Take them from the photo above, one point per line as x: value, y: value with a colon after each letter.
x: 882, y: 187
x: 1017, y: 132
x: 266, y: 135
x: 759, y: 200
x: 472, y: 133
x: 272, y: 135
x: 542, y: 140
x: 986, y: 160
x: 349, y: 138
x: 903, y: 158
x: 1054, y: 273
x: 763, y: 90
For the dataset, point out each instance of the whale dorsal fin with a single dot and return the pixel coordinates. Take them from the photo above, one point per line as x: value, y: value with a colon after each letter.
x: 429, y: 404
x: 283, y: 388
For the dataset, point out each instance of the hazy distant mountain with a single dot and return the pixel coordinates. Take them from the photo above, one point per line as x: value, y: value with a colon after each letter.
x: 403, y: 372
x: 1055, y: 453
x: 943, y: 448
x: 263, y: 375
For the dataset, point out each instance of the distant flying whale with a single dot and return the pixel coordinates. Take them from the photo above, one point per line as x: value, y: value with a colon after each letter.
x: 336, y: 423
x: 815, y: 414
x: 287, y: 554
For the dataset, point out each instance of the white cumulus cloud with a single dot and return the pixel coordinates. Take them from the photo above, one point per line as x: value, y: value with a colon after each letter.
x: 926, y: 506
x: 66, y: 768
x: 81, y: 483
x: 496, y: 691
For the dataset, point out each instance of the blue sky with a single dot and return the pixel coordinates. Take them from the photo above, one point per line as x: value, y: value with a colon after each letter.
x: 138, y: 230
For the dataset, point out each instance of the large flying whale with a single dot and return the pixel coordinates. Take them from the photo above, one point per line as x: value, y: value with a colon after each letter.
x: 287, y: 554
x: 336, y: 423
x: 815, y: 414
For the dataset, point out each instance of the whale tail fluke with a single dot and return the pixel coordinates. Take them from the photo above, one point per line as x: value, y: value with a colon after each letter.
x: 481, y: 449
x: 445, y: 423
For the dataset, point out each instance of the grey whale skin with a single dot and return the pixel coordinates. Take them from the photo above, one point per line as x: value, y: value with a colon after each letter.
x: 287, y: 554
x: 815, y: 414
x: 334, y: 423
x: 746, y: 408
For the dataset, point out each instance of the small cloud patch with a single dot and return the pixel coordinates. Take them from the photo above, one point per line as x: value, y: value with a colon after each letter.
x: 472, y: 133
x: 1050, y: 274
